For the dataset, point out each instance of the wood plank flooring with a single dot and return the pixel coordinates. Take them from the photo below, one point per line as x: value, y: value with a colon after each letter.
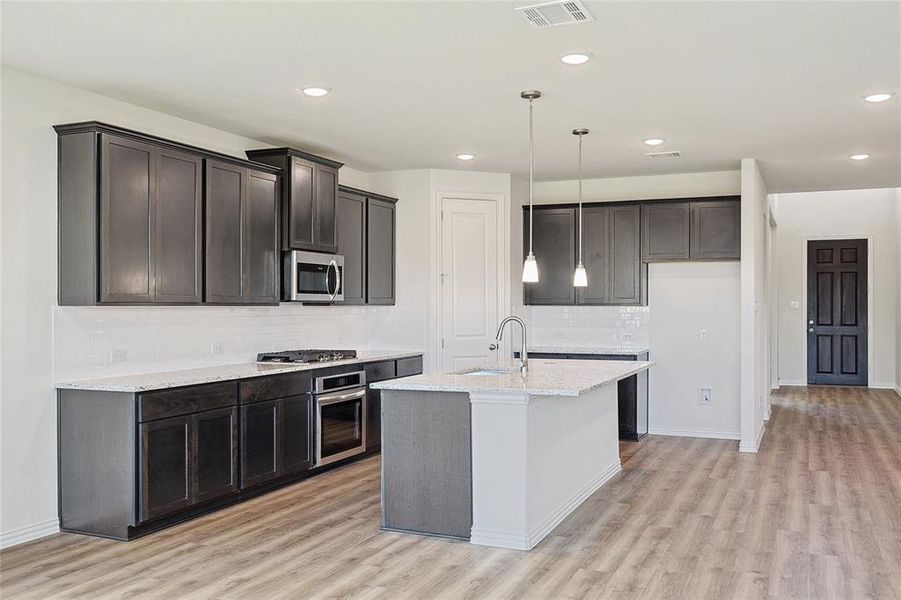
x: 816, y: 514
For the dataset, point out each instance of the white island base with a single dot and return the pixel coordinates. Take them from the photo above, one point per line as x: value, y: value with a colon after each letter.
x: 535, y: 459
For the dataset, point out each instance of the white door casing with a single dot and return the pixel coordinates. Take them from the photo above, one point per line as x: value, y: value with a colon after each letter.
x: 469, y: 282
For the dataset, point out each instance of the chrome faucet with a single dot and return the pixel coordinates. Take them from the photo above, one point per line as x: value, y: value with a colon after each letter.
x: 523, y: 352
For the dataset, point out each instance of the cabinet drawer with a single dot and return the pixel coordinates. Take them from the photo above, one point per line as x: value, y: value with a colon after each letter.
x: 379, y: 371
x: 275, y: 386
x: 185, y: 400
x: 409, y: 366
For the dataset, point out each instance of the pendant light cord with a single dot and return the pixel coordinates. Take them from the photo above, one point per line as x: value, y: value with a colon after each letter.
x: 531, y: 163
x: 580, y: 199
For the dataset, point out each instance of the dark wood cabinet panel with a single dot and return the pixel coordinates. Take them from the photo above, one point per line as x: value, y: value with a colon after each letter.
x: 299, y: 206
x: 225, y: 185
x: 179, y: 401
x: 628, y: 274
x: 380, y: 371
x: 178, y: 248
x: 409, y: 366
x: 260, y: 441
x: 241, y: 235
x: 716, y: 229
x: 596, y: 255
x: 554, y: 245
x: 166, y: 483
x: 215, y: 444
x: 665, y: 231
x: 325, y: 209
x: 380, y: 251
x: 275, y: 386
x: 297, y: 446
x: 352, y: 245
x: 127, y: 190
x: 261, y: 250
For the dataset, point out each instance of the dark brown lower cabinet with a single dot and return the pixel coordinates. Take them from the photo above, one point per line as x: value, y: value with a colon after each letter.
x: 186, y: 460
x: 259, y: 442
x: 215, y: 453
x: 275, y: 439
x: 166, y: 466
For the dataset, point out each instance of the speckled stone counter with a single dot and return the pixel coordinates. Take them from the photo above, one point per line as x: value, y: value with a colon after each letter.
x: 143, y: 382
x: 545, y: 377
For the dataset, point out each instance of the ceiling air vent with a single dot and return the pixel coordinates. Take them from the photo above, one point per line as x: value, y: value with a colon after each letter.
x: 554, y: 14
x: 668, y: 154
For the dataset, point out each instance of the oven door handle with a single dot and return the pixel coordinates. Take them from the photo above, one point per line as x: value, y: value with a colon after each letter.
x: 327, y: 399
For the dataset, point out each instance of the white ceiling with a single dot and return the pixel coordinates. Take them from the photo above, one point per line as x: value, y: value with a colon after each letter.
x: 414, y: 83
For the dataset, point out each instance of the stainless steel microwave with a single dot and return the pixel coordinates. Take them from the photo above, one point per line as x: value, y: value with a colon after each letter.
x: 312, y: 277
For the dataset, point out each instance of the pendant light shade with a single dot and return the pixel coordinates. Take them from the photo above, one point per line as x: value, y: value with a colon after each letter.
x: 530, y: 266
x: 580, y: 277
x: 530, y: 269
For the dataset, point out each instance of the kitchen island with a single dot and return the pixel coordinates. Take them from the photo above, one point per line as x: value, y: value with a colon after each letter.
x: 495, y: 456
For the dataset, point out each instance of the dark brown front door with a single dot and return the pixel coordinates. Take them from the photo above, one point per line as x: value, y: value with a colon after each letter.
x: 837, y: 312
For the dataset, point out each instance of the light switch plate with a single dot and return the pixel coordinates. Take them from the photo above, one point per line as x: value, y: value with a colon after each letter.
x: 706, y: 396
x: 118, y: 355
x: 703, y: 335
x: 793, y: 305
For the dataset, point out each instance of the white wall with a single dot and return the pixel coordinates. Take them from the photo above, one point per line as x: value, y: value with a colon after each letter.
x: 648, y: 187
x: 851, y: 214
x: 754, y: 306
x: 684, y: 298
x: 898, y: 292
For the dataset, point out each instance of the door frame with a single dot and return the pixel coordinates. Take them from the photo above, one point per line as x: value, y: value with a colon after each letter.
x: 502, y: 235
x: 870, y: 282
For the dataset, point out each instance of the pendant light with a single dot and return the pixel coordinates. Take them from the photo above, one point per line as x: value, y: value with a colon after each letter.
x: 530, y: 266
x: 580, y: 278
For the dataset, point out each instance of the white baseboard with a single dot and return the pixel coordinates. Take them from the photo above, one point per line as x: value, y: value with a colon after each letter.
x: 555, y: 518
x: 755, y: 446
x: 898, y: 390
x: 484, y: 537
x: 793, y: 383
x: 883, y: 386
x: 713, y: 434
x: 28, y: 533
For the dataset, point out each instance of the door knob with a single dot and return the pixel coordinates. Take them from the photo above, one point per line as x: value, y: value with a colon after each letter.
x: 810, y: 330
x: 492, y: 347
x: 810, y: 322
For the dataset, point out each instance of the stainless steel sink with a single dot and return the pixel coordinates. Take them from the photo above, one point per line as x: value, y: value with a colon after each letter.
x: 478, y: 372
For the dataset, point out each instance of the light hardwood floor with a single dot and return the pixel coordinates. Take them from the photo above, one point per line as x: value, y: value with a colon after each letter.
x: 816, y: 514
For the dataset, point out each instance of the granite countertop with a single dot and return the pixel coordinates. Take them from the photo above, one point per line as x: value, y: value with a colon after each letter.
x: 170, y: 379
x: 575, y: 349
x: 546, y: 377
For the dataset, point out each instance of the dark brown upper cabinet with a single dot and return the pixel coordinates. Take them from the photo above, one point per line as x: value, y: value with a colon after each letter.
x: 380, y: 250
x: 554, y: 246
x: 352, y: 244
x: 665, y: 231
x: 309, y: 198
x: 703, y: 229
x: 611, y: 253
x: 367, y: 240
x: 131, y: 216
x: 716, y: 229
x: 242, y: 247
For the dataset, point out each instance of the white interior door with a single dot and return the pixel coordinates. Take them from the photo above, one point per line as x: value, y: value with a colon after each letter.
x: 469, y: 287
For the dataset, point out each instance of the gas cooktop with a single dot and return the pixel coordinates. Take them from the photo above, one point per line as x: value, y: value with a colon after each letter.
x: 305, y: 356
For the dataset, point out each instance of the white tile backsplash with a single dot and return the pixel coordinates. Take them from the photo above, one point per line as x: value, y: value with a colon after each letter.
x: 588, y: 325
x: 173, y: 337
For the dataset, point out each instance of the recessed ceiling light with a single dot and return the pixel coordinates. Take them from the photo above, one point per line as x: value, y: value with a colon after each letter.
x: 576, y: 58
x: 466, y: 156
x: 859, y: 156
x: 316, y: 92
x: 880, y: 97
x: 654, y: 141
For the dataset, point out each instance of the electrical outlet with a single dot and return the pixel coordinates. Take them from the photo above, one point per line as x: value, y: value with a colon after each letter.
x: 703, y: 335
x: 118, y: 355
x: 706, y: 396
x: 794, y: 304
x: 216, y: 347
x: 627, y: 337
